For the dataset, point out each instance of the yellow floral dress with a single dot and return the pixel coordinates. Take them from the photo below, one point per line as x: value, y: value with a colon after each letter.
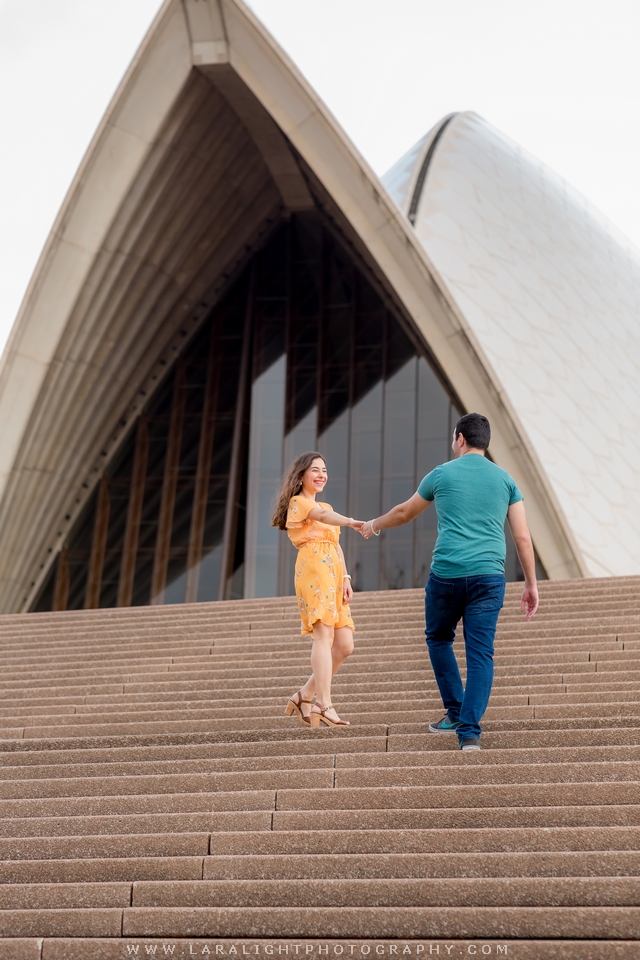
x: 319, y: 571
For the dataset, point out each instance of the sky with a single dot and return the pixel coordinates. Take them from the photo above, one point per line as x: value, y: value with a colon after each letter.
x: 561, y: 77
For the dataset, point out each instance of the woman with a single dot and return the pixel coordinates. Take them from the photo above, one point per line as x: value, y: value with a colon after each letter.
x: 323, y: 586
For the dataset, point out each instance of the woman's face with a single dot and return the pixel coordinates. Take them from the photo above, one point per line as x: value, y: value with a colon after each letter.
x: 315, y: 477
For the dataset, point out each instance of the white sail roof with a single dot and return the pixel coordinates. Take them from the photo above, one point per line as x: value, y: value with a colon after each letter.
x: 551, y: 292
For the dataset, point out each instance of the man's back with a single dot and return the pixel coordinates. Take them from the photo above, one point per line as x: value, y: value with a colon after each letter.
x: 472, y: 496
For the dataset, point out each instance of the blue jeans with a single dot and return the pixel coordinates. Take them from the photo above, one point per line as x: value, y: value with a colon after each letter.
x: 478, y: 601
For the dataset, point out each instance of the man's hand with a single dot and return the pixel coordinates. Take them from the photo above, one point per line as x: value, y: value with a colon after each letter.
x: 529, y: 601
x: 367, y: 529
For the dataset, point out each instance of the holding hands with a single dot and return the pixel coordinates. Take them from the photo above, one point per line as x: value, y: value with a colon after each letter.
x: 365, y: 528
x: 369, y: 530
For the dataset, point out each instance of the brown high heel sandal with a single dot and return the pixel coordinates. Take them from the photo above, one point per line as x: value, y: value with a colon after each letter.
x: 317, y: 717
x: 296, y: 705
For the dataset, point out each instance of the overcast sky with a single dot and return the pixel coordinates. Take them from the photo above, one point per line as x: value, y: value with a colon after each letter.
x: 562, y: 77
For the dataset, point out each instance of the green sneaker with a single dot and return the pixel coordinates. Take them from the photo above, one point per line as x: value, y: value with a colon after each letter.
x: 444, y: 725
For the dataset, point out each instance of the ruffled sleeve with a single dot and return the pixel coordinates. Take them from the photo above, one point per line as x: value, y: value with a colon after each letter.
x: 299, y: 509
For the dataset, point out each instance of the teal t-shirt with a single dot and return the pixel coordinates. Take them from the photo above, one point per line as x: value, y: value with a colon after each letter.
x: 472, y: 496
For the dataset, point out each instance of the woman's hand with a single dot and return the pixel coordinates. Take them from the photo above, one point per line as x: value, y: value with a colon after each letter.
x: 357, y: 525
x: 347, y: 590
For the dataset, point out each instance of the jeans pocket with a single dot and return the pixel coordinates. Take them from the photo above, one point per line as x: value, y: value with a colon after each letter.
x: 439, y: 593
x: 489, y: 596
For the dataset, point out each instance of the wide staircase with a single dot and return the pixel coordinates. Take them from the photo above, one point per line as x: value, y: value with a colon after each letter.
x: 156, y: 801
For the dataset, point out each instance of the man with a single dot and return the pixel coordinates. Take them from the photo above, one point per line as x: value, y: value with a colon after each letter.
x: 473, y: 497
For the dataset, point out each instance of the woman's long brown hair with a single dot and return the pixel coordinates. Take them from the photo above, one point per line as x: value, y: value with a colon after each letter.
x: 292, y: 484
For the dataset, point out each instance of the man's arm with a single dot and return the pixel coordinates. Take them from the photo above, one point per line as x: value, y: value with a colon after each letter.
x: 397, y: 516
x: 524, y: 548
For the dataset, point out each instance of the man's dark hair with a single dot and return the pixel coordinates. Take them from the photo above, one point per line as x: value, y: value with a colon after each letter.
x: 475, y: 429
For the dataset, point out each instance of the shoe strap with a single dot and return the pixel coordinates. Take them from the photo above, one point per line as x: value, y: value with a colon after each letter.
x: 323, y: 710
x: 299, y: 700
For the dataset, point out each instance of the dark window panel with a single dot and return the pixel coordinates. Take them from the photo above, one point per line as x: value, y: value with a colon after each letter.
x: 236, y: 591
x: 176, y: 577
x: 45, y: 598
x: 399, y: 472
x: 305, y: 285
x: 368, y: 342
x: 265, y: 469
x: 399, y: 347
x: 119, y: 489
x: 79, y: 555
x: 270, y: 302
x: 209, y: 579
x: 158, y: 435
x: 271, y: 267
x: 147, y: 540
x: 122, y: 465
x: 191, y: 431
x: 334, y: 445
x: 142, y: 580
x: 340, y: 277
x: 182, y: 511
x: 110, y: 578
x: 214, y: 519
x: 308, y: 239
x: 78, y: 576
x: 304, y: 389
x: 365, y: 492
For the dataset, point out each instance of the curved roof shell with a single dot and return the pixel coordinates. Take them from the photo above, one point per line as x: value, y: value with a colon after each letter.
x: 551, y: 292
x: 212, y: 136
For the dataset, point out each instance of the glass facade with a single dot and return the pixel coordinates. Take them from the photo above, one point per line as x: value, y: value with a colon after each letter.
x: 302, y: 353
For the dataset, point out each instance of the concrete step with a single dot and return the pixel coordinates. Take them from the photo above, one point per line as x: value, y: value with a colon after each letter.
x: 536, y: 892
x: 250, y: 922
x: 421, y: 922
x: 294, y: 843
x: 100, y: 870
x: 375, y: 890
x: 150, y: 785
x: 302, y: 743
x: 571, y: 760
x: 441, y: 826
x: 448, y: 819
x: 375, y: 797
x: 325, y: 773
x: 547, y: 864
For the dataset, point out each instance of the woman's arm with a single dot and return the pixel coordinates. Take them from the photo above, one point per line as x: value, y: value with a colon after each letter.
x: 347, y: 591
x: 333, y: 518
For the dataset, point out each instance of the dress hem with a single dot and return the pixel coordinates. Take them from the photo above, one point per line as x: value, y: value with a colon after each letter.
x: 306, y: 632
